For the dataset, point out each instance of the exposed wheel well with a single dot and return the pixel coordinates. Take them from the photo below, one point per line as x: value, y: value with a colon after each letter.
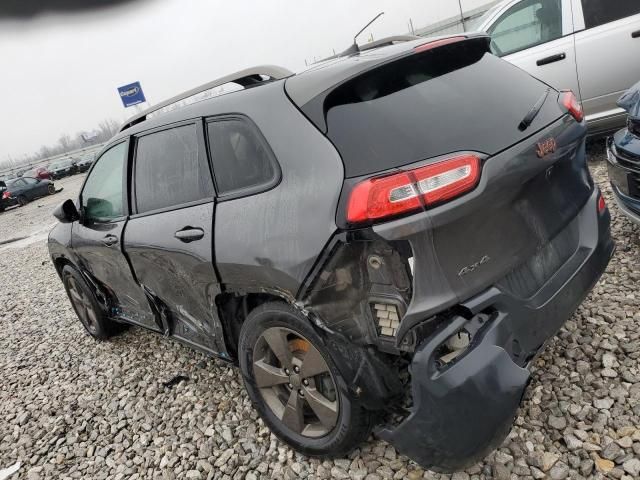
x: 234, y: 308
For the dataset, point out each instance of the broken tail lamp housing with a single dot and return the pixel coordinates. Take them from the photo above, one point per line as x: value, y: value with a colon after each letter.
x: 569, y: 100
x: 379, y: 198
x: 387, y: 318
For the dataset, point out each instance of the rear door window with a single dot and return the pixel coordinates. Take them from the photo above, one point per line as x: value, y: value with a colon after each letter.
x: 599, y: 12
x: 525, y: 25
x: 170, y: 170
x: 242, y: 161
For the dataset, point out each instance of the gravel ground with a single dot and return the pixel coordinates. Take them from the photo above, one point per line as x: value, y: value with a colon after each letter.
x: 74, y: 408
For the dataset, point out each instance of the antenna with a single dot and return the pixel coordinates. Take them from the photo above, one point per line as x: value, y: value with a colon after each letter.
x: 365, y: 27
x: 464, y: 27
x: 354, y: 48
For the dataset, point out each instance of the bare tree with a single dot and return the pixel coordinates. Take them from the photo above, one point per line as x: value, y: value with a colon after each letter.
x: 65, y: 142
x: 107, y: 129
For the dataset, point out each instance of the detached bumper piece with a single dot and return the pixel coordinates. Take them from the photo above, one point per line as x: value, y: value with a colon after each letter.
x: 464, y: 408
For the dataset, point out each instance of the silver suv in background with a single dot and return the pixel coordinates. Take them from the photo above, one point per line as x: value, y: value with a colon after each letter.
x: 589, y: 46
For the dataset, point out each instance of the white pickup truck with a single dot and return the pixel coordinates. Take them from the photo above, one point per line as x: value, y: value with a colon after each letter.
x: 589, y: 46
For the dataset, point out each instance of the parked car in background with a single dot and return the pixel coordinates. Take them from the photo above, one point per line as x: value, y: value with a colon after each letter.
x: 85, y: 162
x: 339, y: 234
x: 623, y: 155
x: 589, y: 46
x: 6, y: 201
x: 63, y: 168
x: 40, y: 172
x: 25, y: 189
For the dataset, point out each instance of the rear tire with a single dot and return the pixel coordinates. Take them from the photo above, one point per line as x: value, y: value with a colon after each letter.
x: 22, y: 200
x: 86, y: 306
x: 312, y: 412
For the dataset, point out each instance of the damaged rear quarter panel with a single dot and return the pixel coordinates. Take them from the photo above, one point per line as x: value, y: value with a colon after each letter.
x: 273, y: 238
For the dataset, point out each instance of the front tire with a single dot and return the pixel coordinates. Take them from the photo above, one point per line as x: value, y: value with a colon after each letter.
x: 87, y: 308
x: 295, y: 386
x: 51, y: 189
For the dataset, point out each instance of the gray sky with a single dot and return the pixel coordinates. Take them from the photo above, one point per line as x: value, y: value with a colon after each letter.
x: 60, y: 73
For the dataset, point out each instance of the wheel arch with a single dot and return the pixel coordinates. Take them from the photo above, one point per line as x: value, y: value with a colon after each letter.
x: 235, y: 303
x: 101, y: 294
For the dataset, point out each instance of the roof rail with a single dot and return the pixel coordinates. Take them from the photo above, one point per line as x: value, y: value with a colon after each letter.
x: 245, y: 78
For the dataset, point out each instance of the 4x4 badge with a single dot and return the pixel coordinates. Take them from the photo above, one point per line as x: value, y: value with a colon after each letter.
x: 472, y: 268
x: 546, y: 147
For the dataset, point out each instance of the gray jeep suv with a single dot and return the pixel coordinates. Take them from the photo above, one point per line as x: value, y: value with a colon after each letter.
x: 383, y: 241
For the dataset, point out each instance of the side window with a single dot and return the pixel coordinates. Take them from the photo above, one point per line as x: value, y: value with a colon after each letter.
x: 102, y: 194
x: 168, y: 170
x: 242, y: 160
x: 28, y: 180
x: 525, y: 25
x: 599, y: 12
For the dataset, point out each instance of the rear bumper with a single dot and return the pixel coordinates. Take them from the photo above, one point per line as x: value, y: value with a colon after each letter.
x: 8, y: 202
x: 464, y: 410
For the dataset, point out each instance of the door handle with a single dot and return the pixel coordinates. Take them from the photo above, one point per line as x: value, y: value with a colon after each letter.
x: 551, y: 59
x: 635, y: 34
x: 189, y: 234
x: 110, y: 240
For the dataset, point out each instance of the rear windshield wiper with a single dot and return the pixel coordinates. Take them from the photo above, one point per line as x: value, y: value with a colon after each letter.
x: 533, y: 113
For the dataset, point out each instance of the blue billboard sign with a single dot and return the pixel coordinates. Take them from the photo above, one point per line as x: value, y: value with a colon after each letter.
x: 131, y: 94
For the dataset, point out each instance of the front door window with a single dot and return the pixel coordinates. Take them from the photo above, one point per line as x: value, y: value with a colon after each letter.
x: 525, y: 25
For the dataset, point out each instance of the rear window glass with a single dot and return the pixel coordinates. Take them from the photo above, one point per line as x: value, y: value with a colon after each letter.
x: 455, y: 98
x: 169, y: 170
x: 242, y: 160
x: 599, y: 12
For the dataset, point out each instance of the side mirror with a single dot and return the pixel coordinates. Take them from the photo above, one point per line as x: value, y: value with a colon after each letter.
x: 66, y: 212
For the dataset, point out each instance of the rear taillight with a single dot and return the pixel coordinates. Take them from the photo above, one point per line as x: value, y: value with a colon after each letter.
x: 404, y: 192
x: 437, y: 43
x: 6, y: 195
x: 602, y: 204
x: 571, y: 103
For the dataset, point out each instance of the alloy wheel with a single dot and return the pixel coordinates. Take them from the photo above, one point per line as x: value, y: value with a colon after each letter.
x: 295, y: 382
x: 83, y: 306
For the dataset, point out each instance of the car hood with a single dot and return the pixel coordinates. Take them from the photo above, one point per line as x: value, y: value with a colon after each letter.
x: 630, y: 101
